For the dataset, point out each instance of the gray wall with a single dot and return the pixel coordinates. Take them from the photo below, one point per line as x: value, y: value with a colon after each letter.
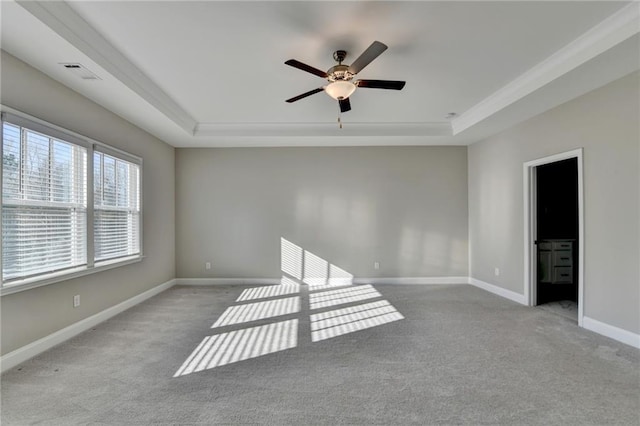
x: 405, y: 207
x: 605, y: 123
x: 33, y: 314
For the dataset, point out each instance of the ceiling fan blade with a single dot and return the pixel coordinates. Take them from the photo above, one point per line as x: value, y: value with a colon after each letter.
x: 367, y: 56
x: 381, y: 84
x: 307, y: 68
x: 304, y: 95
x: 345, y: 105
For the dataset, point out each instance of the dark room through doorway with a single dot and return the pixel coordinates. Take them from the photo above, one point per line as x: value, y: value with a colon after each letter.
x: 557, y: 237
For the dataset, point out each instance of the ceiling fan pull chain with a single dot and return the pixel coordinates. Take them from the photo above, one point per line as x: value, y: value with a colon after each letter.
x: 339, y: 121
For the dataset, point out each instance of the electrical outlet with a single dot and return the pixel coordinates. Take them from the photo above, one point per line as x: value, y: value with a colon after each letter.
x: 376, y: 265
x: 76, y: 300
x: 496, y: 271
x: 207, y: 266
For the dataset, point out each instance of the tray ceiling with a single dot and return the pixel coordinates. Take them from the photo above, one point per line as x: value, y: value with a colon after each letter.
x: 210, y: 73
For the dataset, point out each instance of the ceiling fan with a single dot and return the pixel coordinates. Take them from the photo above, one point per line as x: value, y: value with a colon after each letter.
x: 340, y: 76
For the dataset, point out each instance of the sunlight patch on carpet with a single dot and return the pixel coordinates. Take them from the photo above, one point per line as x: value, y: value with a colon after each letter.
x: 354, y: 318
x: 345, y: 295
x: 239, y: 345
x: 259, y: 310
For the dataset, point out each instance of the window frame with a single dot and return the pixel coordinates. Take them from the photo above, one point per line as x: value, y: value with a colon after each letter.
x: 108, y: 208
x: 92, y: 266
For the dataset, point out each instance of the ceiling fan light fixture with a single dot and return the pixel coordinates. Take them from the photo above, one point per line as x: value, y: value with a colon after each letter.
x: 339, y: 90
x: 340, y: 77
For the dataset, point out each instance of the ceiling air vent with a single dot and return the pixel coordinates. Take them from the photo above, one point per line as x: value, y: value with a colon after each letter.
x: 80, y: 71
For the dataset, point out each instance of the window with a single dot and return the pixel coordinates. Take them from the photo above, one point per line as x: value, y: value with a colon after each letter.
x: 47, y: 225
x: 44, y: 203
x: 116, y: 214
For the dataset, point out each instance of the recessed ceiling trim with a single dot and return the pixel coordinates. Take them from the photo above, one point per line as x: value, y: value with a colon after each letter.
x: 314, y: 141
x: 62, y: 19
x: 321, y: 129
x: 617, y: 28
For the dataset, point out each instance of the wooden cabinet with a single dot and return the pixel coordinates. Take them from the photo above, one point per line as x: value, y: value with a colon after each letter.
x: 555, y: 261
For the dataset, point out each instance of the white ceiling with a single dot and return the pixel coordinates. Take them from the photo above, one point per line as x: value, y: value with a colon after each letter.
x: 212, y: 73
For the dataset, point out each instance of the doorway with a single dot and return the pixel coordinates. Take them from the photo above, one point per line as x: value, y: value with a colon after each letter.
x: 554, y: 234
x: 557, y: 237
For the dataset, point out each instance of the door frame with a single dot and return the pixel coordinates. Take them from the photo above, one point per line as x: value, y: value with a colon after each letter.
x: 530, y: 221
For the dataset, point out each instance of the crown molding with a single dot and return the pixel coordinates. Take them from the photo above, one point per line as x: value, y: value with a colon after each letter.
x: 181, y: 129
x: 321, y: 129
x: 617, y: 28
x: 64, y: 21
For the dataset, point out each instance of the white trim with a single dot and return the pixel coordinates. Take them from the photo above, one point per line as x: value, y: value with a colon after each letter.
x: 273, y: 281
x: 227, y: 281
x: 574, y: 153
x: 413, y: 280
x: 69, y: 25
x: 580, y: 239
x: 27, y: 352
x: 321, y: 129
x: 17, y: 117
x: 64, y: 275
x: 528, y: 186
x: 612, y: 332
x: 502, y: 292
x: 49, y: 130
x: 615, y: 29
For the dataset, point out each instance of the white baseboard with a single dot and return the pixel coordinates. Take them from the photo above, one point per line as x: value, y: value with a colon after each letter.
x: 591, y: 324
x: 272, y: 281
x: 612, y: 332
x: 227, y: 281
x: 26, y: 352
x: 502, y: 292
x: 413, y: 280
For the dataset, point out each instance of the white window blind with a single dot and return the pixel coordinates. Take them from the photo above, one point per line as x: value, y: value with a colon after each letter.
x: 44, y: 203
x: 50, y: 232
x: 116, y: 207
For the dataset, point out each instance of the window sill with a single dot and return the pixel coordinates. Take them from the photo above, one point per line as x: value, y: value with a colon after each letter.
x: 67, y: 274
